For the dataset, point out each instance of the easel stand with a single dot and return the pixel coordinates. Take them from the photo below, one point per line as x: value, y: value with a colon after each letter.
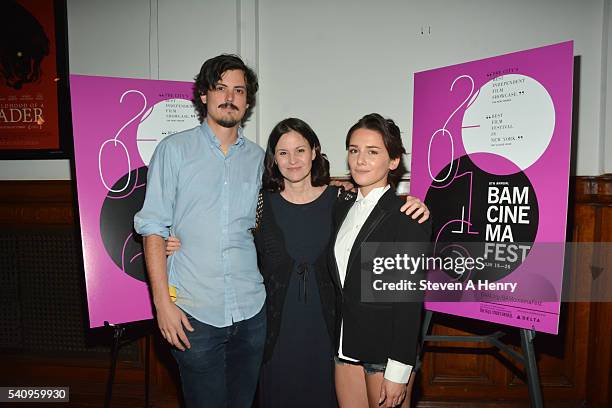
x: 527, y: 358
x: 118, y: 333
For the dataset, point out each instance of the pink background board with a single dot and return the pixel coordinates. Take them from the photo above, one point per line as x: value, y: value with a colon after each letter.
x: 98, y: 117
x: 434, y: 104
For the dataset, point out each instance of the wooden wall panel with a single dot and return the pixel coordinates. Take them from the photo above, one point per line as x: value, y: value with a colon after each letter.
x: 574, y: 366
x: 596, y: 193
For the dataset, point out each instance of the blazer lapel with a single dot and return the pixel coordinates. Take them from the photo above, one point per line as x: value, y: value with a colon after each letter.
x: 376, y: 216
x: 381, y: 211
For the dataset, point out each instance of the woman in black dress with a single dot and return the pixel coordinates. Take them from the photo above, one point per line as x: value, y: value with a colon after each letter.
x: 292, y: 243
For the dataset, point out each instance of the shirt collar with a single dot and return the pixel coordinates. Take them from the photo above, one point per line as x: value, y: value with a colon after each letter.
x: 210, y: 135
x: 373, y: 196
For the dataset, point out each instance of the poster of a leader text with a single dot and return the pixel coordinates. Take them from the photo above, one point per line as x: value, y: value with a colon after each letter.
x: 491, y: 158
x: 117, y: 124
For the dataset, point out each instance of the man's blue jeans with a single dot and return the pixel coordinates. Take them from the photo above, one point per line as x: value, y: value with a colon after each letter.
x: 221, y: 368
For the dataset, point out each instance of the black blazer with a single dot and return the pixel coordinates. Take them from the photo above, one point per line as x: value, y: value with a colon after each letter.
x: 276, y: 267
x: 376, y: 331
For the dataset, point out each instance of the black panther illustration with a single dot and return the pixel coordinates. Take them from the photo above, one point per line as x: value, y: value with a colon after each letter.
x: 23, y: 45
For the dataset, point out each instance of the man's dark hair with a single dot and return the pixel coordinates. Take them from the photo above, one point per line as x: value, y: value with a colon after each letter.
x: 210, y: 74
x: 391, y: 137
x: 273, y: 180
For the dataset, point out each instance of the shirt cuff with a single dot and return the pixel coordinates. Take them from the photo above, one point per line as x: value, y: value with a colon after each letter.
x: 397, y: 372
x: 145, y: 228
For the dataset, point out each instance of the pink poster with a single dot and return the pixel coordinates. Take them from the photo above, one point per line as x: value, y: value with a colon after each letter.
x: 491, y: 158
x: 117, y: 123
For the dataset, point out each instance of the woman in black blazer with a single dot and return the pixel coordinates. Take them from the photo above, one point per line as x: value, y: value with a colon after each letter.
x: 376, y: 341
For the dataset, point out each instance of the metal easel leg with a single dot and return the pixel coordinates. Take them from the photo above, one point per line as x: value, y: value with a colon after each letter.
x: 531, y: 368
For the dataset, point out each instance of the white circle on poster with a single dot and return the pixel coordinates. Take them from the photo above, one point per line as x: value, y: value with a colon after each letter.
x: 512, y: 116
x: 162, y: 120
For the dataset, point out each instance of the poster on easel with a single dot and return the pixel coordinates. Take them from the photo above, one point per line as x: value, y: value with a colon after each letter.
x: 491, y: 159
x: 117, y: 123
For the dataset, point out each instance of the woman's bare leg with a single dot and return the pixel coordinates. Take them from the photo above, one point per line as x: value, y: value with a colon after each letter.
x: 373, y: 383
x: 351, y: 386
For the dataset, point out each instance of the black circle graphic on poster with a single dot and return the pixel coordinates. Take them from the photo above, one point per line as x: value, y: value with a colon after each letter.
x: 122, y: 243
x: 465, y: 223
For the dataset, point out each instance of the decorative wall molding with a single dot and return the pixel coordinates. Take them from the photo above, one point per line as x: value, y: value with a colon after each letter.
x: 35, y: 203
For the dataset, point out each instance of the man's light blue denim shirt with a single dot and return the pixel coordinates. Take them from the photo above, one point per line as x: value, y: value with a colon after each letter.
x: 208, y: 201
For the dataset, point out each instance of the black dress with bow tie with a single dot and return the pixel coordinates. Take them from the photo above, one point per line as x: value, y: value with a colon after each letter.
x: 292, y: 243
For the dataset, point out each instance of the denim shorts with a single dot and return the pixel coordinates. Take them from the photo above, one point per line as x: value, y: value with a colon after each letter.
x: 369, y: 368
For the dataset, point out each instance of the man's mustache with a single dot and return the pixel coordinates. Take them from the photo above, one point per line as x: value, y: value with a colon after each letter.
x: 228, y: 105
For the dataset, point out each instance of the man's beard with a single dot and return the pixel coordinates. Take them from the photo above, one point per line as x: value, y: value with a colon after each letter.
x: 227, y: 120
x: 228, y: 123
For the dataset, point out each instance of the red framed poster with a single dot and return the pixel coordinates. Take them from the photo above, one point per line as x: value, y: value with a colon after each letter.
x: 34, y: 113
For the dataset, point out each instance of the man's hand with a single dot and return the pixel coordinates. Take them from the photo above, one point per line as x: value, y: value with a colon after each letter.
x: 392, y: 394
x: 173, y: 244
x: 415, y: 207
x: 171, y: 320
